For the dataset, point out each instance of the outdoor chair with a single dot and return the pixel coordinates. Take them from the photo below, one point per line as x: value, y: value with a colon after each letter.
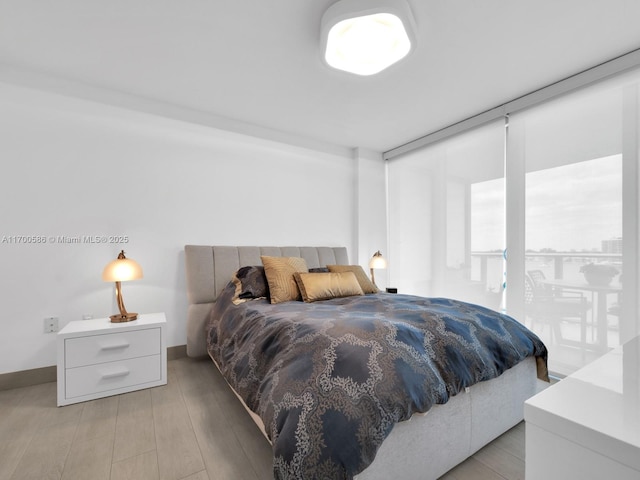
x: 552, y: 306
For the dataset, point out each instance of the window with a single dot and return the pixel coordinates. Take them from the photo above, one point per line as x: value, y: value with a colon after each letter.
x: 437, y: 197
x: 568, y: 182
x: 571, y: 150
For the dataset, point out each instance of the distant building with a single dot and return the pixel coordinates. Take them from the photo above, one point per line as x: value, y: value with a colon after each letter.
x: 613, y: 245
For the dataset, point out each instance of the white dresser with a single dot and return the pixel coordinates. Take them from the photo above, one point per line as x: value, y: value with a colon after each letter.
x: 97, y: 358
x: 587, y: 426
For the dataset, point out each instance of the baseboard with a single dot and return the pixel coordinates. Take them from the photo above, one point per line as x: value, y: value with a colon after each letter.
x: 176, y: 352
x: 26, y: 378
x: 36, y: 376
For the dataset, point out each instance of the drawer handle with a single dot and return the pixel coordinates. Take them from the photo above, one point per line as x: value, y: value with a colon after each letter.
x: 115, y: 346
x: 116, y: 373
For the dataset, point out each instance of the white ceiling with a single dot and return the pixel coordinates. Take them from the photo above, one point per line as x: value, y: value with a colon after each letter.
x: 257, y: 62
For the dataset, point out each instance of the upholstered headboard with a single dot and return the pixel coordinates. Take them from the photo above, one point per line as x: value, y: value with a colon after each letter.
x: 210, y: 268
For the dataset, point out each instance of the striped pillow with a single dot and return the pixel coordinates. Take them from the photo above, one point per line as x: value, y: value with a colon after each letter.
x: 367, y: 285
x: 279, y: 272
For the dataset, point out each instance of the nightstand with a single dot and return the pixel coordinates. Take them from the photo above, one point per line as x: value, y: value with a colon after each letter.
x: 97, y: 358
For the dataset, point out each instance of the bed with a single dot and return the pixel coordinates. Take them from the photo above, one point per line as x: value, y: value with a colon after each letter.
x: 426, y: 439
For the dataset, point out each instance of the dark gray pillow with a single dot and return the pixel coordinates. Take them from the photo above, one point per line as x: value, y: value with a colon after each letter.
x: 251, y: 283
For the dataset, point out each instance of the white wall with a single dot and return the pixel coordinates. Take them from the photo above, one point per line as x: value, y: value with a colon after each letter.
x: 412, y: 191
x: 72, y: 168
x: 371, y: 231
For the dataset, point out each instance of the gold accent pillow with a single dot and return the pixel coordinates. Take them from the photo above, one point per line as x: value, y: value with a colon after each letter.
x: 323, y: 286
x: 279, y: 272
x: 367, y: 285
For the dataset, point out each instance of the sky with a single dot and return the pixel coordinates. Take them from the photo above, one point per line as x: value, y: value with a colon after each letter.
x: 571, y: 207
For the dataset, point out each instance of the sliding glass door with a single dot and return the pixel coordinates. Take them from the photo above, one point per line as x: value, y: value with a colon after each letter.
x: 553, y: 217
x: 571, y: 152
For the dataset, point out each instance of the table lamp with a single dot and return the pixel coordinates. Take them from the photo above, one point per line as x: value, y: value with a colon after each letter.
x: 122, y: 269
x: 377, y: 261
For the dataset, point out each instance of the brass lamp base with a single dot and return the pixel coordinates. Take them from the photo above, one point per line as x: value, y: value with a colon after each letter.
x: 119, y: 318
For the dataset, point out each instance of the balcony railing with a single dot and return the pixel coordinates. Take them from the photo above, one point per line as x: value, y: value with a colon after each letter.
x: 557, y: 259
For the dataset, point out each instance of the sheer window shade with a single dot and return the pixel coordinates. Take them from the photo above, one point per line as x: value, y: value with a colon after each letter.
x: 433, y: 194
x: 571, y: 182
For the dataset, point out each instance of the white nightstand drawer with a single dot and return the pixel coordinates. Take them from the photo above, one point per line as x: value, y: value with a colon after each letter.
x: 111, y: 347
x: 98, y: 358
x: 103, y: 377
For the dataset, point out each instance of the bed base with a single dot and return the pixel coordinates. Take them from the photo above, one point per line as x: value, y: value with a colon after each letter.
x: 428, y: 446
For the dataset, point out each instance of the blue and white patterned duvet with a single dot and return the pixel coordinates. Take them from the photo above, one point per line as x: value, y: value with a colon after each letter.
x: 330, y: 379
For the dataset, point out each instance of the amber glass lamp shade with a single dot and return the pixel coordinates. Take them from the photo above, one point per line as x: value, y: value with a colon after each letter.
x: 377, y: 261
x: 122, y: 269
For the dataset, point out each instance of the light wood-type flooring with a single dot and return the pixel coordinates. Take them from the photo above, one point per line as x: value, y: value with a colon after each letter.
x: 193, y: 428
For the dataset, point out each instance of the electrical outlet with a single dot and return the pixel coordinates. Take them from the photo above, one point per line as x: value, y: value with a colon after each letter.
x: 50, y: 324
x: 87, y: 316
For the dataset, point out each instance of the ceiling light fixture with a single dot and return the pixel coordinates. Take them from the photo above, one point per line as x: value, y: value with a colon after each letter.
x: 366, y: 36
